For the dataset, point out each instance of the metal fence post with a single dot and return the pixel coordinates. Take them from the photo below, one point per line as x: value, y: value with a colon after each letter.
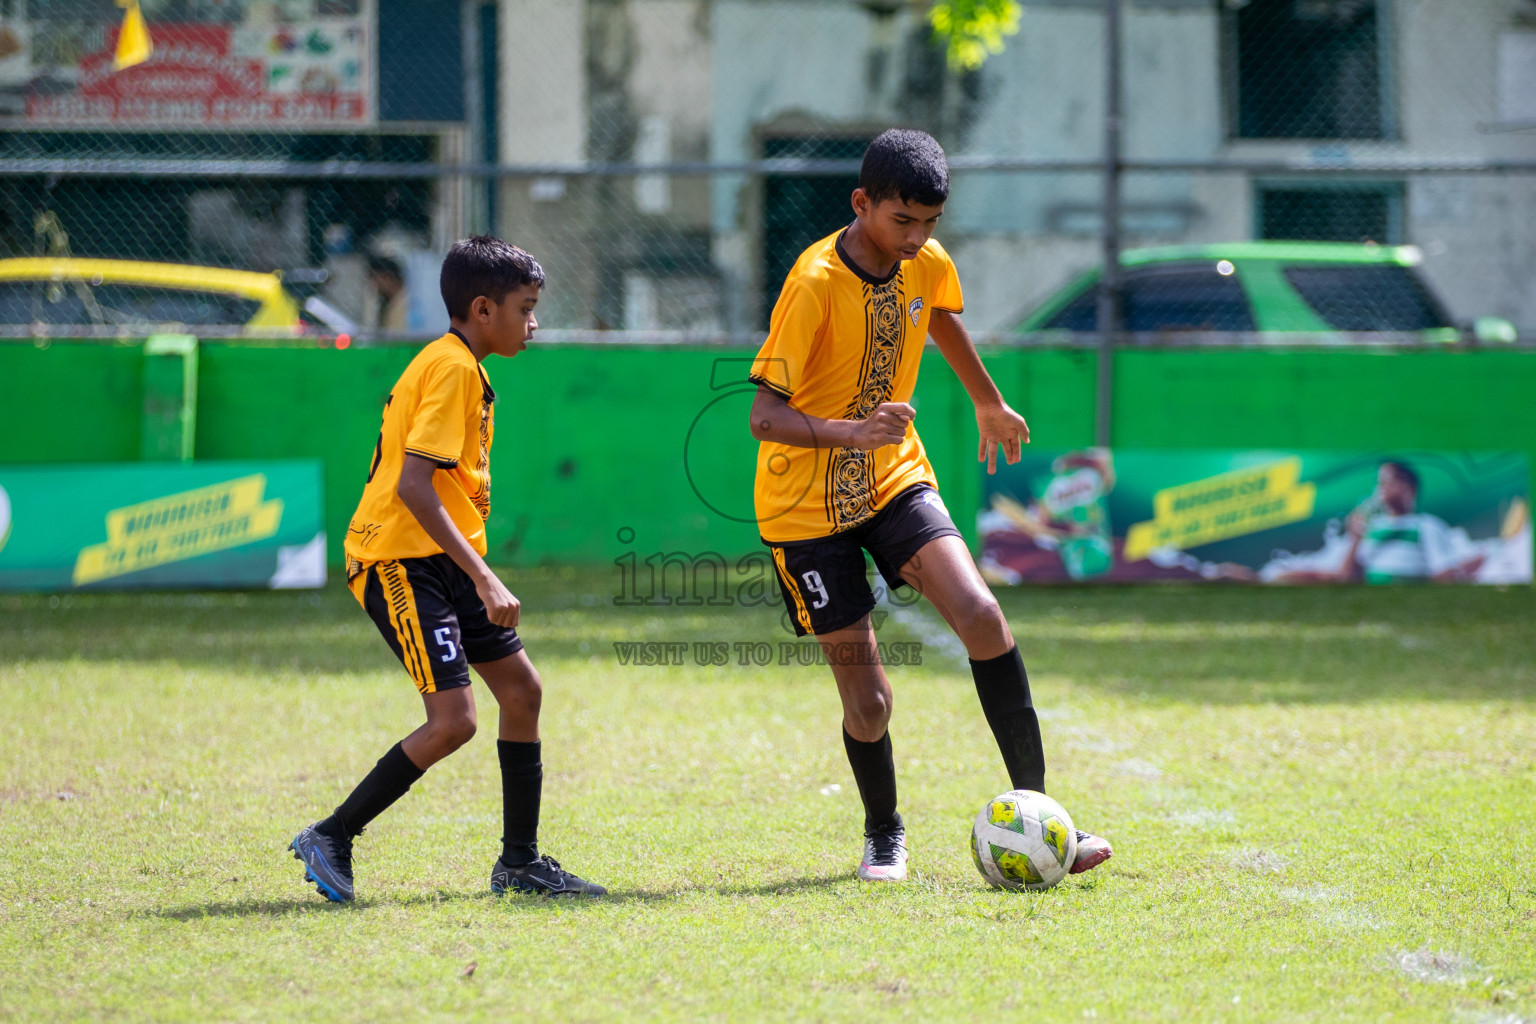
x: 1109, y: 282
x: 476, y: 212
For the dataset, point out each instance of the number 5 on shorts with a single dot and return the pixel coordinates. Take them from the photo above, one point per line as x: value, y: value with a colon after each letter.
x: 444, y: 637
x: 814, y: 585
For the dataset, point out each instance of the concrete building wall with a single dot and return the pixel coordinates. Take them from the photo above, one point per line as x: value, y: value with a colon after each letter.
x: 679, y: 80
x: 610, y: 81
x: 668, y: 114
x: 542, y: 120
x: 1478, y: 232
x: 1017, y: 236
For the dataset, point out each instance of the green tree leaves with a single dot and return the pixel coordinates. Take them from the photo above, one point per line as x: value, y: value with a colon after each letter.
x: 973, y: 30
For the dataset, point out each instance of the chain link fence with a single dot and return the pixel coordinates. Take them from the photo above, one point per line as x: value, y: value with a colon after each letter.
x: 667, y: 160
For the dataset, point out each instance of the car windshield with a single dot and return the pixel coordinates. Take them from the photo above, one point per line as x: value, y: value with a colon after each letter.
x: 118, y: 305
x: 1175, y: 297
x: 1381, y: 297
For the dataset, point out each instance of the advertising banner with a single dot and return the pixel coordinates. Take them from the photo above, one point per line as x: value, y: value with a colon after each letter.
x: 299, y: 64
x: 1411, y: 516
x: 147, y: 525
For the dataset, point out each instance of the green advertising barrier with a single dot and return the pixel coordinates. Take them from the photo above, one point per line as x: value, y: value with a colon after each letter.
x: 598, y: 443
x: 131, y: 526
x: 1299, y: 517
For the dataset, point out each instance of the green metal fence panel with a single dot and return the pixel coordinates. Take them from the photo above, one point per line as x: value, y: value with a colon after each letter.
x: 296, y: 402
x: 604, y: 450
x: 1461, y: 400
x: 69, y: 402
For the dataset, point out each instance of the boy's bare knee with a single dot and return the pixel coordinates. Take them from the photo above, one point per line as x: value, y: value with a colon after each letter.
x: 456, y: 731
x: 980, y: 621
x: 521, y: 689
x: 868, y: 714
x: 532, y: 690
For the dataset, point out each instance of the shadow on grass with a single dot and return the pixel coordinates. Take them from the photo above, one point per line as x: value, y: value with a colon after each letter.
x: 324, y: 631
x: 1193, y: 644
x: 312, y: 904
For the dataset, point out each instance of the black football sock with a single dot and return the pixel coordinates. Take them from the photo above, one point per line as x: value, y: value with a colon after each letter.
x: 390, y: 778
x: 875, y: 772
x: 1003, y: 687
x: 522, y: 780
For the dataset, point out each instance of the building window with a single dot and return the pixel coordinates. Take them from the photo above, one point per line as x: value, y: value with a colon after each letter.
x: 798, y: 210
x: 1311, y: 69
x: 1370, y: 212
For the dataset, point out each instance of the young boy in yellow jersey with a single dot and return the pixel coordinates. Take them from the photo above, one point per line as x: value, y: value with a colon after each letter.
x: 416, y: 562
x: 841, y: 471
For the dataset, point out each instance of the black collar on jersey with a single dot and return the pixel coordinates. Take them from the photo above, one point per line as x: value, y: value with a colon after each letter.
x: 485, y: 382
x: 858, y: 271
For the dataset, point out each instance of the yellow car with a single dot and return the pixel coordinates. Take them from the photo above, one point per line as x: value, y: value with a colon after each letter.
x: 129, y: 296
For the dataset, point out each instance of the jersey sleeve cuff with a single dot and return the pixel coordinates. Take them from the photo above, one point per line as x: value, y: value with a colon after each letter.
x: 439, y: 461
x: 776, y: 388
x: 946, y: 309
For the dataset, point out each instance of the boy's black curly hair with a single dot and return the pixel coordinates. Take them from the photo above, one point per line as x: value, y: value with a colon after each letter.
x: 905, y: 164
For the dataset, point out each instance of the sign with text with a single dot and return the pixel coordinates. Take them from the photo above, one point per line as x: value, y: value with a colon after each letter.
x: 1096, y: 515
x: 148, y: 525
x: 312, y: 68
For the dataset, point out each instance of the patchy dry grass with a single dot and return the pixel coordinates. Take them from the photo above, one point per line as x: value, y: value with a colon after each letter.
x: 1320, y: 803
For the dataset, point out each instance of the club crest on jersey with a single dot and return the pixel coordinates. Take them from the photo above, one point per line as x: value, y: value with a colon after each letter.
x: 915, y: 310
x: 932, y: 498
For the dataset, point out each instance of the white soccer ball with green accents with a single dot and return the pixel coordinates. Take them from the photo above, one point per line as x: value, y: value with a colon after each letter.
x: 1023, y: 840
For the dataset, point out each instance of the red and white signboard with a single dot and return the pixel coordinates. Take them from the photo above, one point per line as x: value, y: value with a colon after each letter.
x: 315, y: 73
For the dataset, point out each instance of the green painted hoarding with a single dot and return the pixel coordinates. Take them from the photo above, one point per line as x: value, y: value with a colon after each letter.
x: 143, y: 525
x: 595, y: 441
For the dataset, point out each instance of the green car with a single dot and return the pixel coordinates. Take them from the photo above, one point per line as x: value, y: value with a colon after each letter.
x: 1282, y: 287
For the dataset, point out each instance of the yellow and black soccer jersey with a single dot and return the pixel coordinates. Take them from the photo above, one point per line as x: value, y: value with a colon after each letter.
x: 440, y: 409
x: 841, y: 343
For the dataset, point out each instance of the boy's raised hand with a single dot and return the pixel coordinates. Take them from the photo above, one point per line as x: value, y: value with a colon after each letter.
x: 1000, y: 427
x: 886, y: 425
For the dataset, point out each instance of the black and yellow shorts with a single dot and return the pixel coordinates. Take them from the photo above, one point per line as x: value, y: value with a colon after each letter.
x: 825, y: 581
x: 432, y: 618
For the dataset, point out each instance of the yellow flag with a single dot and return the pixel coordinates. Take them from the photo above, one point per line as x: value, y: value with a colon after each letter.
x: 133, y: 43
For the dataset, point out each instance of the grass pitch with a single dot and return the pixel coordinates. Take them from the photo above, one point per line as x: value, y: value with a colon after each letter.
x: 1321, y: 804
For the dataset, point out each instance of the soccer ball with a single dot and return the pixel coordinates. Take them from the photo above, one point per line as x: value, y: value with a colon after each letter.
x: 1023, y: 840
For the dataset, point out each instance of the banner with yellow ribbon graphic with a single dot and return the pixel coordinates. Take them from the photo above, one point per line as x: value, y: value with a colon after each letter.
x: 181, y: 526
x: 141, y: 525
x: 1100, y: 515
x: 1219, y: 507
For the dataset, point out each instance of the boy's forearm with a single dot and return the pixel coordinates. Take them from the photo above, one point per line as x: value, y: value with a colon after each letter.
x: 960, y: 353
x: 800, y: 431
x: 782, y: 424
x: 428, y: 509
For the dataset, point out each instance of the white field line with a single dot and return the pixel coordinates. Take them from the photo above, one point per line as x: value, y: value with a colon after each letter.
x: 1427, y: 965
x: 930, y: 630
x: 1136, y: 768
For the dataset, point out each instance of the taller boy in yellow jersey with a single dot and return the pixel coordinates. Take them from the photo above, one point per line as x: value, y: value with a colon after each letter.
x: 416, y: 562
x: 841, y: 471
